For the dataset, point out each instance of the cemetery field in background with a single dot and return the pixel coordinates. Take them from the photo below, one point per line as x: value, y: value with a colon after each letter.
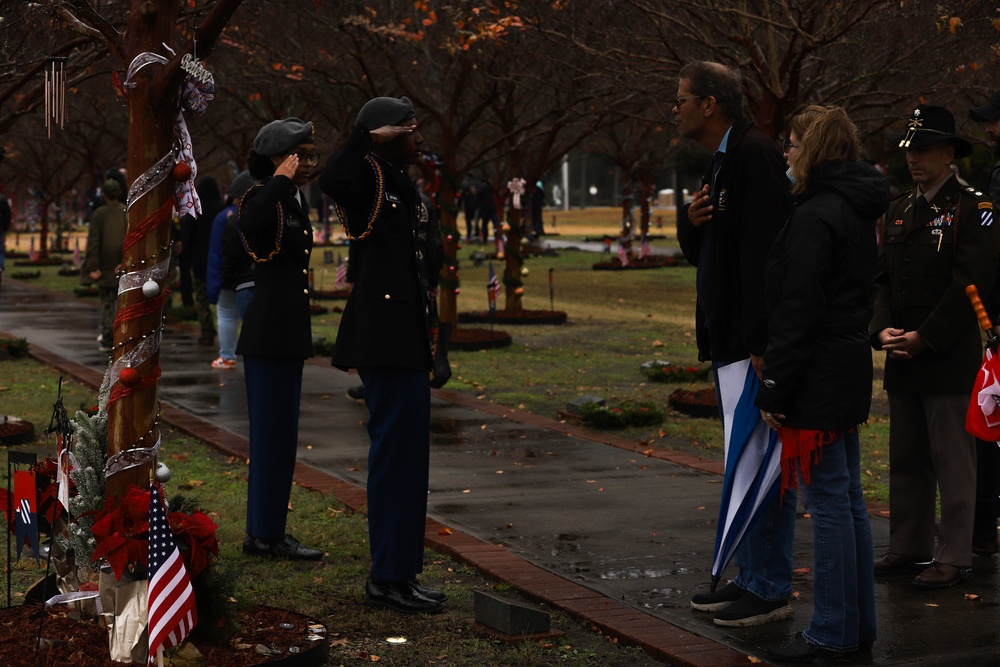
x: 617, y: 320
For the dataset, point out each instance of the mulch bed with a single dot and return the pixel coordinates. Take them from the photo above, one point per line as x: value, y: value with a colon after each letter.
x: 636, y: 264
x: 83, y: 643
x: 329, y: 294
x: 470, y: 339
x: 16, y: 432
x: 50, y: 261
x: 514, y: 317
x: 700, y: 403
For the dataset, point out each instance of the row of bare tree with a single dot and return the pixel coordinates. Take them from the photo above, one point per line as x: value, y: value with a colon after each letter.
x: 501, y: 87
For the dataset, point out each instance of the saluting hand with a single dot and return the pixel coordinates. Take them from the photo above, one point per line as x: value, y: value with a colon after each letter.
x: 387, y: 133
x: 288, y: 167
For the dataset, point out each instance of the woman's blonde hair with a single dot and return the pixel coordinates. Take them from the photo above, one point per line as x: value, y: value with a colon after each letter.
x: 802, y: 120
x: 830, y: 138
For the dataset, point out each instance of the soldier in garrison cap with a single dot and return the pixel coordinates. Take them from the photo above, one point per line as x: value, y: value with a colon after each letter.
x: 984, y: 530
x: 935, y: 240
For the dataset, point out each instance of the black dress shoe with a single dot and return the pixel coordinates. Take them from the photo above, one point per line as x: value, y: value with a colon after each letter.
x: 399, y: 596
x: 800, y: 650
x: 429, y: 593
x: 287, y: 547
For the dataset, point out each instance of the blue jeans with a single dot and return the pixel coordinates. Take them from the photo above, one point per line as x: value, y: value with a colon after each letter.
x: 243, y: 298
x: 843, y: 571
x: 228, y: 319
x: 764, y: 555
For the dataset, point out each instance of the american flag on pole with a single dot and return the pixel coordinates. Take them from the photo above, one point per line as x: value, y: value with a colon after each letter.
x: 171, y: 603
x: 341, y: 271
x: 493, y: 289
x: 622, y: 254
x: 644, y: 247
x: 77, y: 258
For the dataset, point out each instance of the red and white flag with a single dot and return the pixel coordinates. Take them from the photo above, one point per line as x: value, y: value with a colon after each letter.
x: 77, y: 257
x: 644, y: 248
x: 171, y: 603
x: 32, y: 255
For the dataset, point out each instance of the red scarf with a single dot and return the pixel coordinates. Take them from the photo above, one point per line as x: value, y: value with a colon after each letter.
x: 800, y: 449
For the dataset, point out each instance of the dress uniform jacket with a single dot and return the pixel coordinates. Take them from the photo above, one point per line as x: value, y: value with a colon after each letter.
x: 277, y: 322
x: 385, y: 321
x: 927, y: 256
x: 751, y: 203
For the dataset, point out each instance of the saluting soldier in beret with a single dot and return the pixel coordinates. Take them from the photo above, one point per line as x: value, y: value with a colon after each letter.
x: 276, y: 337
x: 935, y: 240
x: 384, y: 334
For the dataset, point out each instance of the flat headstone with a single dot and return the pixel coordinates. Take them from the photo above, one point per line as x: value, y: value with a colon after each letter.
x: 575, y: 406
x: 507, y: 616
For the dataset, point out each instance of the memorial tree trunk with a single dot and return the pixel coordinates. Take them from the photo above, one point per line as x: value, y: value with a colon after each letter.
x: 152, y: 107
x: 513, y: 261
x: 448, y: 291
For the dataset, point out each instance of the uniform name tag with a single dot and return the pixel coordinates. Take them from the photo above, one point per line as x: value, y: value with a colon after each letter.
x: 894, y: 231
x: 391, y: 197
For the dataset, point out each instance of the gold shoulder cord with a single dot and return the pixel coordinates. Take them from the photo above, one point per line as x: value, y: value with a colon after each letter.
x: 277, y: 240
x: 376, y: 209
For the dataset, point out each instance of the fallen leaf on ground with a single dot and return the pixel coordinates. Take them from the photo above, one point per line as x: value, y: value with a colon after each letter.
x: 444, y: 531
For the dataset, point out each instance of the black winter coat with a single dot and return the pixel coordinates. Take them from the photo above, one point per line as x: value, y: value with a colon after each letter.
x: 819, y: 280
x: 751, y: 203
x: 385, y: 323
x: 278, y: 317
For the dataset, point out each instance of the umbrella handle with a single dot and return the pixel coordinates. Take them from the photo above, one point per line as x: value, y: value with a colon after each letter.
x: 977, y: 305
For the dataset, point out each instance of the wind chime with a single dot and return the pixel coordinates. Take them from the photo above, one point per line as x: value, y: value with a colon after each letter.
x: 55, y: 92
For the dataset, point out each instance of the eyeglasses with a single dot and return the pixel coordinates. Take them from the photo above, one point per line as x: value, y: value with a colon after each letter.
x: 789, y: 146
x: 308, y: 158
x: 679, y: 101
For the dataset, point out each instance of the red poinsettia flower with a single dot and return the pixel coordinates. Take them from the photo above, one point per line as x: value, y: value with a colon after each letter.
x: 122, y: 531
x: 195, y: 537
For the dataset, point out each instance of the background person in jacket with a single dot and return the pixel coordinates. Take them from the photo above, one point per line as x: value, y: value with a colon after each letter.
x: 384, y: 334
x: 726, y: 232
x: 817, y: 374
x: 229, y: 273
x: 197, y: 234
x: 277, y: 336
x: 984, y: 525
x: 936, y: 240
x: 105, y: 238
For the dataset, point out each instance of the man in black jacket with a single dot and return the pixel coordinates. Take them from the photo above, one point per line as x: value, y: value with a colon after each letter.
x: 984, y: 525
x: 726, y: 232
x: 384, y: 334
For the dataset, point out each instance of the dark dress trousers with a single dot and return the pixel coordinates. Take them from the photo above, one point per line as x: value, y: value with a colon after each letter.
x: 384, y: 334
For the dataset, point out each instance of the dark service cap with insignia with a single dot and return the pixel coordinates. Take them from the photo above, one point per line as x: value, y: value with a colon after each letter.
x: 930, y: 124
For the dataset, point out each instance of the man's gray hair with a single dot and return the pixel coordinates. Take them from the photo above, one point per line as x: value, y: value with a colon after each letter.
x: 710, y: 79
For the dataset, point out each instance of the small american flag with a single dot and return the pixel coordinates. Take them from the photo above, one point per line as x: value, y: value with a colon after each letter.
x: 644, y: 248
x: 341, y: 271
x: 171, y: 603
x: 493, y: 289
x: 76, y: 253
x: 32, y: 254
x: 622, y: 254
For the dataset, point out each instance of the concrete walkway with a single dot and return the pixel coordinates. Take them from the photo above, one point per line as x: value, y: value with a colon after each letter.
x: 590, y: 523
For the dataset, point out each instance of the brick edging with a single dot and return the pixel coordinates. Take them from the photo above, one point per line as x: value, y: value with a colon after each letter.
x: 661, y: 639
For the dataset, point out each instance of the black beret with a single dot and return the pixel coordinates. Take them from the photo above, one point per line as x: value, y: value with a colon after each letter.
x: 280, y: 136
x: 383, y: 111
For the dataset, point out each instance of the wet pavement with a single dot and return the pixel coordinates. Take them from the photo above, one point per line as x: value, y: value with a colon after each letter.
x: 634, y: 528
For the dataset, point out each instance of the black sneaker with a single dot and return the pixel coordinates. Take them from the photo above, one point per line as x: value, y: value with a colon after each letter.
x: 753, y: 610
x: 718, y: 600
x: 800, y: 650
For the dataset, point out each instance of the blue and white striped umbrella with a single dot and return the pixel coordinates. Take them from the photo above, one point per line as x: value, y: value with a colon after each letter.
x: 753, y: 460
